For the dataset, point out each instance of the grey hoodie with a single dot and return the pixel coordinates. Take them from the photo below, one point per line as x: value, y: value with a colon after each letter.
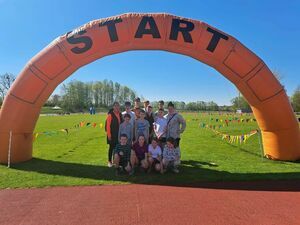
x: 176, y: 125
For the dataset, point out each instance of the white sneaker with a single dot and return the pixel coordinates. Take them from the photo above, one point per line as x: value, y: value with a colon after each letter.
x: 109, y: 164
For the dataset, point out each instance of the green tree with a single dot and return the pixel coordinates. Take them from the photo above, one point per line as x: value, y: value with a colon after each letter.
x: 6, y: 80
x: 79, y: 96
x: 240, y: 103
x: 295, y: 99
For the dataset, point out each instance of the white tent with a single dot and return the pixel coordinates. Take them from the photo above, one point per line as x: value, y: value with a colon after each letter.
x: 56, y: 107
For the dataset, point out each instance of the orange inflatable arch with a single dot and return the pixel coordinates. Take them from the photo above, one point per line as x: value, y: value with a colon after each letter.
x: 99, y: 38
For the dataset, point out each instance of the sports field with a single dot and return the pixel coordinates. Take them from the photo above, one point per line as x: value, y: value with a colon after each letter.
x: 79, y: 157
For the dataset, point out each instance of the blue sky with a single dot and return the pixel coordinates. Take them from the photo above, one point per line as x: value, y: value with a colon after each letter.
x: 271, y: 29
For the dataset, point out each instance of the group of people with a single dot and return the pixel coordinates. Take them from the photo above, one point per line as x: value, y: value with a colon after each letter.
x: 140, y: 137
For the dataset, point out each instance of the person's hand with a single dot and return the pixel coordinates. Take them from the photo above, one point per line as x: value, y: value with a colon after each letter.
x: 109, y: 138
x: 121, y: 153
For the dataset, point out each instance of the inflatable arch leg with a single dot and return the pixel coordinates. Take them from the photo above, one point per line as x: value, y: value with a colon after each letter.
x: 99, y: 38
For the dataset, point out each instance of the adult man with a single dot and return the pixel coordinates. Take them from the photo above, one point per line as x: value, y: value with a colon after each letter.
x: 175, y: 124
x: 113, y: 121
x: 128, y: 111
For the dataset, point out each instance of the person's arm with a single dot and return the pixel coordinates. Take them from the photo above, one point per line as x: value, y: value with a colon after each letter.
x: 177, y: 153
x: 116, y: 150
x: 135, y: 130
x: 183, y: 123
x: 146, y: 152
x: 131, y: 132
x: 149, y: 153
x: 164, y: 130
x: 108, y: 123
x: 128, y: 154
x: 167, y: 125
x: 147, y: 130
x: 119, y: 133
x: 159, y: 154
x: 165, y: 154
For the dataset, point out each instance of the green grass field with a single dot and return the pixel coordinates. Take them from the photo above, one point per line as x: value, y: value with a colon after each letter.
x: 80, y: 157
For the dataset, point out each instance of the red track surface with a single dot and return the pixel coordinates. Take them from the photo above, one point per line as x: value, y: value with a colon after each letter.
x: 149, y: 204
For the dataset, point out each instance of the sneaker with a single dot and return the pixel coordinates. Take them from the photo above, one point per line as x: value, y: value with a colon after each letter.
x: 175, y: 170
x: 109, y: 164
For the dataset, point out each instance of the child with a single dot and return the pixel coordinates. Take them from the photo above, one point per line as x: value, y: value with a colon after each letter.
x: 126, y: 128
x: 150, y: 118
x: 122, y: 155
x: 155, y: 157
x: 142, y: 126
x: 171, y: 156
x: 160, y: 127
x: 139, y: 154
x: 128, y: 111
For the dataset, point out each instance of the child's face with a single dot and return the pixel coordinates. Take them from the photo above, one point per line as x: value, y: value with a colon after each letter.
x: 171, y: 109
x: 141, y: 140
x: 146, y: 104
x: 137, y: 112
x: 154, y: 143
x: 170, y: 145
x: 123, y: 140
x: 127, y: 119
x: 160, y: 114
x: 116, y: 107
x: 142, y: 115
x: 137, y: 104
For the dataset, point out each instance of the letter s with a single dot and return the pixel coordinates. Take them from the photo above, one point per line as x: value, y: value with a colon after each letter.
x: 87, y: 41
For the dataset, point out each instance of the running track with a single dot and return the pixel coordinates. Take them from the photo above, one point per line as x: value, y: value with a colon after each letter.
x: 235, y: 203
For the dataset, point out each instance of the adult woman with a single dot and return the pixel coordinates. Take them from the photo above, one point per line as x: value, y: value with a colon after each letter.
x: 113, y: 121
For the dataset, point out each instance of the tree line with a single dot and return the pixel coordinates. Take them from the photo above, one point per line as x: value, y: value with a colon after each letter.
x: 78, y: 96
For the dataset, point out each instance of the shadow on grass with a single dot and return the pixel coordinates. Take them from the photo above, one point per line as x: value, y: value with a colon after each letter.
x: 192, y: 174
x: 244, y: 150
